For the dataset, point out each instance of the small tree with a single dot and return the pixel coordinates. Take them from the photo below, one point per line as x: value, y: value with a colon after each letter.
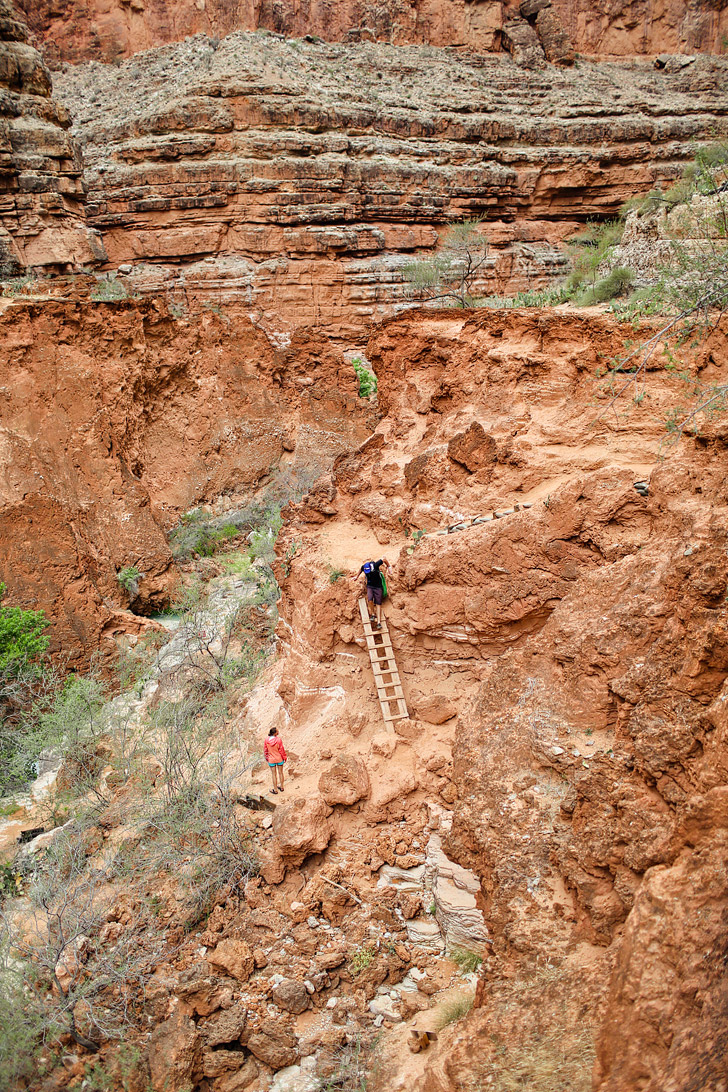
x: 452, y: 271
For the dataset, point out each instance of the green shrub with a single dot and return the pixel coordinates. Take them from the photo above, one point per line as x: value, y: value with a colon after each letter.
x: 129, y: 578
x: 616, y: 283
x: 367, y: 378
x: 360, y: 959
x: 108, y: 290
x: 22, y: 639
x: 466, y: 960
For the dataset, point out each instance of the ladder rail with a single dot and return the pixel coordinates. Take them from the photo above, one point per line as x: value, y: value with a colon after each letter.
x: 391, y: 697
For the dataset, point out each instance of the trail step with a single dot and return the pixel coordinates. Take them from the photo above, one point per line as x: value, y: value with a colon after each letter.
x: 384, y: 668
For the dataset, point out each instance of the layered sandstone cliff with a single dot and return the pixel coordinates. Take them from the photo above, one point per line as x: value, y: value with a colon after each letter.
x: 302, y: 177
x: 79, y: 31
x: 41, y: 188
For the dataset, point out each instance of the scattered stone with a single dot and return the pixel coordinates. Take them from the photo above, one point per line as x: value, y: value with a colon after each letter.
x: 291, y: 995
x: 435, y: 708
x: 384, y: 743
x: 223, y: 1027
x: 234, y: 957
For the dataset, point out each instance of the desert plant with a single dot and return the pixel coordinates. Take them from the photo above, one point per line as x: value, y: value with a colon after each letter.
x: 589, y: 249
x: 335, y: 574
x: 129, y: 578
x: 453, y: 1010
x: 22, y: 636
x: 360, y: 959
x: 691, y: 291
x: 65, y: 979
x: 466, y: 960
x: 450, y: 274
x: 614, y: 284
x: 366, y: 377
x: 109, y: 290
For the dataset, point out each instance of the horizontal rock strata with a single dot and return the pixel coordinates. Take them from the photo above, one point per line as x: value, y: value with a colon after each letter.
x: 41, y: 175
x: 302, y: 177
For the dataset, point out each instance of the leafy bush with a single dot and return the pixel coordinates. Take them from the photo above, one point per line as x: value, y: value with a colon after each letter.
x: 367, y: 378
x: 22, y: 640
x: 616, y: 283
x: 466, y: 960
x: 129, y: 578
x: 589, y: 249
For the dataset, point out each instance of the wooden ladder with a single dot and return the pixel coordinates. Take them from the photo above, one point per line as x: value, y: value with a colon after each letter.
x: 384, y: 666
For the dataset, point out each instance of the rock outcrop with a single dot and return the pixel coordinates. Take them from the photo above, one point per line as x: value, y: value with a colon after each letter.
x: 214, y: 172
x: 106, y: 31
x: 42, y: 193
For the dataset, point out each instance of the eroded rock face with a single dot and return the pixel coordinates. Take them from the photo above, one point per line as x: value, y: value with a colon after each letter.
x: 215, y: 173
x: 105, y: 31
x: 119, y: 417
x: 42, y: 220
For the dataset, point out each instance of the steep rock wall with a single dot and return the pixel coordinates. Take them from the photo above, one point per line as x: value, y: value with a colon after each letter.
x: 80, y: 30
x: 590, y: 762
x: 302, y: 177
x: 116, y: 418
x: 42, y: 193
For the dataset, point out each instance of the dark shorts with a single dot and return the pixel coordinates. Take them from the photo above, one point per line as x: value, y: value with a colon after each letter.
x: 375, y: 595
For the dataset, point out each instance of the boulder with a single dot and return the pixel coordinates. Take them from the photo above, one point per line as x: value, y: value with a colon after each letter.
x: 234, y: 957
x: 434, y: 708
x: 522, y: 42
x: 290, y: 995
x: 173, y: 1052
x: 474, y: 448
x: 215, y: 1063
x: 346, y: 782
x: 302, y: 827
x: 273, y: 1044
x: 240, y: 1079
x: 555, y: 41
x: 224, y: 1027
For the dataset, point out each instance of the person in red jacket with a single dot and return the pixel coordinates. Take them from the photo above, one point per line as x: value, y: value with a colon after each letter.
x: 275, y: 755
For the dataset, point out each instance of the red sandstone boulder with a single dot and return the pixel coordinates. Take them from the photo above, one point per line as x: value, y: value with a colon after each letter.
x: 290, y: 995
x: 473, y: 448
x: 174, y: 1050
x: 234, y: 957
x: 301, y: 827
x: 346, y: 782
x: 273, y: 1044
x: 434, y: 708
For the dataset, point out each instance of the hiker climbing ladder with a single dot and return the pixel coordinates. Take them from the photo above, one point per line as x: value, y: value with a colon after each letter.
x: 384, y: 666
